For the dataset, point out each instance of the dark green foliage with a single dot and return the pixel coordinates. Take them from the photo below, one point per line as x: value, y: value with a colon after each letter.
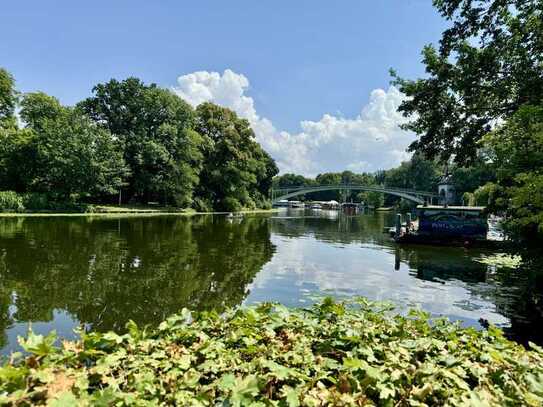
x: 332, y: 354
x: 294, y: 180
x: 486, y: 77
x: 468, y: 179
x: 8, y: 99
x: 17, y: 158
x: 161, y: 149
x: 38, y: 110
x: 38, y: 201
x: 418, y: 173
x: 291, y: 180
x: 131, y: 142
x: 488, y: 65
x: 236, y: 173
x: 515, y: 151
x: 74, y: 158
x: 375, y: 199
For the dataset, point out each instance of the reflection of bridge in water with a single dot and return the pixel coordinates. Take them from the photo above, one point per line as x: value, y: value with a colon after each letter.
x: 419, y: 197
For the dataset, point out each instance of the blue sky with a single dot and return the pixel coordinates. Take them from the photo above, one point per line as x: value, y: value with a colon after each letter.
x: 302, y: 59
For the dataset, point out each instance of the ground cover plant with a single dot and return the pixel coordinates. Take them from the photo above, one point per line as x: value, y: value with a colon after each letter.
x: 349, y: 353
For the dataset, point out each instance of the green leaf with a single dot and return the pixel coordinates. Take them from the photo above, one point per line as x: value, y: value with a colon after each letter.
x: 245, y: 390
x: 279, y: 371
x: 292, y: 396
x: 39, y: 345
x: 65, y: 399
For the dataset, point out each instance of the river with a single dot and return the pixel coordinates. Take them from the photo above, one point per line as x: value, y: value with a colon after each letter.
x: 99, y: 272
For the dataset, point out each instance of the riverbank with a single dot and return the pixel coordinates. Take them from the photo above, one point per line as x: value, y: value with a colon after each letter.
x: 110, y: 210
x: 384, y: 209
x: 355, y: 353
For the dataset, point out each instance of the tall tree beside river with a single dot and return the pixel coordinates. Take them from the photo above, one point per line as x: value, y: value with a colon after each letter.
x: 237, y: 171
x: 489, y: 64
x: 129, y: 140
x: 60, y: 152
x: 161, y: 148
x: 72, y: 155
x: 486, y: 76
x: 8, y: 99
x: 516, y: 151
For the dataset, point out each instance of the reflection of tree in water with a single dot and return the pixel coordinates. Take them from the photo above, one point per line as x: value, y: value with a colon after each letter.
x: 441, y: 263
x: 527, y: 314
x: 517, y: 294
x: 107, y: 271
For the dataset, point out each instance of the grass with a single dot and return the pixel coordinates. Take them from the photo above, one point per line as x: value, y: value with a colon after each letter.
x: 125, y: 210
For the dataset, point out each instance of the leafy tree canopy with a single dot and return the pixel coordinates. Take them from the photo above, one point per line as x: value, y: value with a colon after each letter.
x: 236, y: 170
x: 161, y: 148
x: 489, y: 64
x: 72, y: 155
x: 515, y: 151
x: 8, y: 99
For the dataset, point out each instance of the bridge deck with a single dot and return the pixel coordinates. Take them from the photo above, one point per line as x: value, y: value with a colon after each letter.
x: 409, y: 194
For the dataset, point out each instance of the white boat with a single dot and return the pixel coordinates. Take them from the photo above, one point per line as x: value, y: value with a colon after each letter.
x: 296, y: 204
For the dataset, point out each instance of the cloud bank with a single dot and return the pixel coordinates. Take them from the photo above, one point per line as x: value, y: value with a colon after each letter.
x: 368, y: 142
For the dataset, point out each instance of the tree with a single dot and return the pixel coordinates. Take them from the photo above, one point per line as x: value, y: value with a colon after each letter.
x: 484, y: 91
x: 371, y: 198
x: 236, y: 170
x: 39, y: 109
x: 291, y: 180
x: 161, y: 148
x: 489, y: 64
x: 73, y: 157
x: 469, y: 179
x: 265, y: 177
x: 515, y: 150
x: 17, y: 159
x: 417, y: 173
x: 8, y: 99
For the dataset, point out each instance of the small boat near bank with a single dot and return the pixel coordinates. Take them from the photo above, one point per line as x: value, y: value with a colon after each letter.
x: 445, y: 225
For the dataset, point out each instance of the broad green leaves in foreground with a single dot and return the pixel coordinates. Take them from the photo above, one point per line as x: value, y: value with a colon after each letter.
x: 333, y: 354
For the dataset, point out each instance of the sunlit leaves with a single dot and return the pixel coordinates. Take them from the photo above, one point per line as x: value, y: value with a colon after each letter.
x: 354, y: 353
x: 39, y: 345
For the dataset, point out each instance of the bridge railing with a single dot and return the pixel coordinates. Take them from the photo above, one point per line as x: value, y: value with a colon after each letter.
x: 316, y: 188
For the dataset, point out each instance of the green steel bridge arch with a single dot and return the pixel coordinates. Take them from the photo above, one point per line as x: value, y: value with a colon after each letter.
x: 420, y: 197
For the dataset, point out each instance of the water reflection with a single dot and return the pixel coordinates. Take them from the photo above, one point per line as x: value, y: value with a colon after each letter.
x: 104, y: 272
x: 351, y: 255
x: 60, y: 272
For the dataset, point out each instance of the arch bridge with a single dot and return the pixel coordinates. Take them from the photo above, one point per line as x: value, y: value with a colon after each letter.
x: 420, y: 197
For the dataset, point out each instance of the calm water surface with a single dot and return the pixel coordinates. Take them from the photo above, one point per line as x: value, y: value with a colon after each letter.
x: 60, y: 273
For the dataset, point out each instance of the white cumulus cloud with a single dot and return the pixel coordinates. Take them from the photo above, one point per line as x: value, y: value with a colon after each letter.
x: 368, y: 142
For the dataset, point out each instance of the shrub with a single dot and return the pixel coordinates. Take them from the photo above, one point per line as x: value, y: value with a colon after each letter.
x: 332, y: 354
x: 37, y: 201
x: 11, y: 201
x: 202, y: 205
x: 231, y: 205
